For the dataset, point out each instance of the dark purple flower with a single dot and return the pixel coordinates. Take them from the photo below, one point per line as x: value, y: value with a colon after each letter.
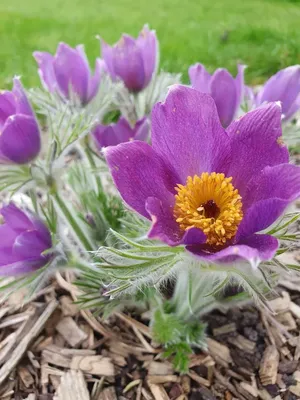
x: 226, y: 91
x: 24, y: 239
x: 132, y: 60
x: 69, y: 69
x: 120, y: 132
x: 208, y: 188
x: 284, y: 87
x: 20, y: 140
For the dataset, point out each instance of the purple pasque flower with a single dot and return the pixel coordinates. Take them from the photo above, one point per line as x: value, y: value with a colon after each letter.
x: 132, y: 60
x: 120, y: 132
x: 69, y: 70
x: 284, y: 86
x: 210, y: 189
x: 226, y: 91
x: 24, y: 239
x: 20, y: 140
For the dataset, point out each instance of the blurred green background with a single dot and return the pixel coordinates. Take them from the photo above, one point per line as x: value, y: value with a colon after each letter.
x: 264, y: 34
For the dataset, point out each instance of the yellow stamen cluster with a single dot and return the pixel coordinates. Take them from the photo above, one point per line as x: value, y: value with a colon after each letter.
x: 211, y: 203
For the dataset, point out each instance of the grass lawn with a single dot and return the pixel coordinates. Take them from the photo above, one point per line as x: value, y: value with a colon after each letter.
x: 264, y: 34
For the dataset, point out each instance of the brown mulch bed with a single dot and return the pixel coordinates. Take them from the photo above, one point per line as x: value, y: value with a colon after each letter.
x: 49, y: 349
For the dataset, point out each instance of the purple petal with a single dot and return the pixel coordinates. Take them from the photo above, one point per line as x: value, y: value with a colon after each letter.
x: 95, y: 79
x: 224, y: 93
x: 107, y: 135
x: 20, y: 140
x: 200, y: 78
x: 255, y: 144
x: 28, y: 245
x: 139, y: 173
x: 186, y: 132
x: 165, y: 227
x: 240, y: 86
x: 142, y: 129
x: 8, y: 236
x: 293, y: 109
x: 42, y: 229
x: 148, y: 45
x: 7, y: 106
x: 15, y: 218
x: 254, y: 249
x: 46, y: 71
x: 22, y: 104
x: 128, y: 63
x: 71, y: 68
x: 267, y: 197
x: 22, y: 267
x: 283, y: 86
x: 107, y: 54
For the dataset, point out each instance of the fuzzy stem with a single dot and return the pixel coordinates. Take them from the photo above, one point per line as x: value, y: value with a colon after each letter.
x: 90, y: 158
x: 71, y: 220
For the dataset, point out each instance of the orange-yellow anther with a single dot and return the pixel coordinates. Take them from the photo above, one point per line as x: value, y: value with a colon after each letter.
x: 211, y: 203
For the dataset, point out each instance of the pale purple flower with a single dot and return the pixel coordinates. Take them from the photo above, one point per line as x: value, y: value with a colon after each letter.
x: 69, y: 70
x: 132, y: 60
x: 20, y: 140
x: 24, y: 239
x: 284, y: 86
x: 120, y: 132
x: 226, y: 91
x: 213, y: 190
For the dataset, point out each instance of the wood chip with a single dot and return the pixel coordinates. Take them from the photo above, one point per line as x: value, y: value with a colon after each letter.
x: 159, y: 368
x: 287, y: 320
x: 108, y: 393
x: 295, y: 310
x: 25, y: 376
x: 71, y: 332
x: 269, y: 366
x: 199, y: 379
x: 68, y: 307
x: 72, y: 387
x: 243, y: 344
x: 218, y: 351
x: 158, y: 392
x: 21, y: 348
x: 52, y: 355
x: 225, y: 329
x: 95, y: 365
x: 295, y: 389
x: 163, y: 379
x: 281, y: 303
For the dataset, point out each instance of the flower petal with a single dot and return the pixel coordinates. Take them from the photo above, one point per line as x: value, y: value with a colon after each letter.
x: 186, y: 132
x: 22, y: 104
x: 108, y: 57
x: 28, y: 245
x: 15, y: 218
x: 200, y: 78
x: 240, y: 86
x: 253, y: 249
x: 283, y: 86
x: 255, y: 144
x: 22, y: 267
x: 148, y: 45
x: 224, y: 93
x: 139, y: 173
x: 142, y: 129
x: 267, y: 196
x: 94, y: 83
x: 20, y: 139
x: 166, y: 229
x: 71, y: 68
x: 46, y: 70
x: 7, y: 106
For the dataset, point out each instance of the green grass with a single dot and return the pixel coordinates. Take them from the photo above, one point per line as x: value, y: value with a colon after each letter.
x: 264, y: 34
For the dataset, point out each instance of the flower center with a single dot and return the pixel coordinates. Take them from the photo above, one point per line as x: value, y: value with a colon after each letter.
x: 211, y: 203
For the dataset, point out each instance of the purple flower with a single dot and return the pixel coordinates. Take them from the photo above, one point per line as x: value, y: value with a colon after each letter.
x: 120, y: 132
x: 205, y: 187
x: 132, y: 60
x: 69, y: 69
x: 24, y: 238
x: 284, y: 87
x: 226, y: 91
x: 20, y: 140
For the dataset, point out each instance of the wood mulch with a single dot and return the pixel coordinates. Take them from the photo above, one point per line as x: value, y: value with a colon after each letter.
x: 50, y: 349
